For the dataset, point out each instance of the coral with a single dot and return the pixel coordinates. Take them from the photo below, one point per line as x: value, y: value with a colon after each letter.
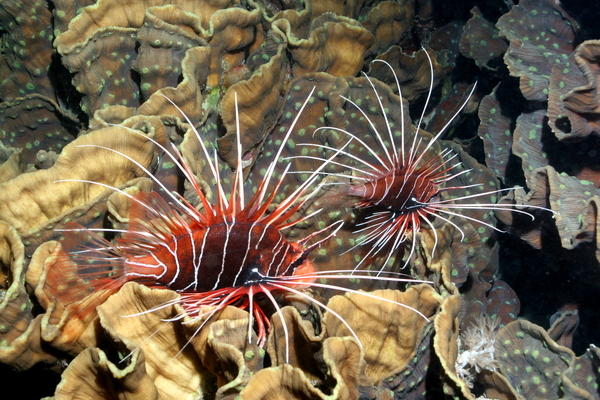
x: 16, y: 319
x: 576, y: 220
x: 527, y: 141
x: 564, y: 323
x: 495, y: 131
x: 139, y: 64
x: 93, y: 365
x: 541, y: 36
x: 520, y: 346
x: 378, y: 333
x: 101, y: 49
x: 223, y: 349
x: 33, y: 123
x: 389, y: 22
x: 480, y: 40
x: 310, y: 50
x: 413, y: 72
x: 26, y: 210
x: 527, y: 138
x: 477, y: 344
x: 258, y: 101
x: 151, y: 370
x: 11, y: 165
x: 529, y: 364
x: 26, y: 49
x: 574, y: 102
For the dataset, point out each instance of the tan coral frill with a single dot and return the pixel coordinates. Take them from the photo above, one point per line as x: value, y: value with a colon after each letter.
x: 163, y: 69
x: 83, y: 160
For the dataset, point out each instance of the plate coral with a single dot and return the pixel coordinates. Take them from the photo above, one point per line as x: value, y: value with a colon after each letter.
x: 502, y: 305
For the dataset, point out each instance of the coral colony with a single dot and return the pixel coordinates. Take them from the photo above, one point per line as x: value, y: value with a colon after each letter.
x: 297, y: 200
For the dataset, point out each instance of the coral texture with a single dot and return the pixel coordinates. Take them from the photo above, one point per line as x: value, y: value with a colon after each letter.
x: 96, y: 97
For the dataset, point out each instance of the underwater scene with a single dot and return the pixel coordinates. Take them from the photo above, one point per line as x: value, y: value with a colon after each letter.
x: 279, y: 199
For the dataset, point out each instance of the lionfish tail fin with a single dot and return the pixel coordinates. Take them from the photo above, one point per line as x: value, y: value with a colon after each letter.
x: 83, y: 271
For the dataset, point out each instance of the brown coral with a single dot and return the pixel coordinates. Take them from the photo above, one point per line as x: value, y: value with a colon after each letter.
x: 335, y: 44
x: 26, y: 49
x: 35, y: 123
x: 20, y: 345
x: 495, y: 131
x: 413, y: 72
x: 198, y: 54
x: 574, y: 102
x: 398, y: 339
x: 26, y: 209
x: 541, y: 35
x: 480, y: 40
x: 93, y: 375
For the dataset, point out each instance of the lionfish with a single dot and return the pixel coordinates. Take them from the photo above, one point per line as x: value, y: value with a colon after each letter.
x: 231, y: 252
x: 403, y: 189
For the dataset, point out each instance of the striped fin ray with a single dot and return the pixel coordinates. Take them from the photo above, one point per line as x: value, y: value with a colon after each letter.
x: 86, y: 270
x: 153, y: 220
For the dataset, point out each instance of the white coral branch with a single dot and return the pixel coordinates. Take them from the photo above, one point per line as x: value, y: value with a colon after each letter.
x: 477, y: 349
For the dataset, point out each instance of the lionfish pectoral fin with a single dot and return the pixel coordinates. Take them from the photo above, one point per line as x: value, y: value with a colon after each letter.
x: 82, y: 272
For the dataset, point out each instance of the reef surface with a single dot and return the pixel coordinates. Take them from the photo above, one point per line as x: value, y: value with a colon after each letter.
x: 510, y: 315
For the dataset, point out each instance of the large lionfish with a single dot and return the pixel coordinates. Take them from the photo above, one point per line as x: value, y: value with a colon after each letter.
x: 403, y: 189
x: 232, y: 252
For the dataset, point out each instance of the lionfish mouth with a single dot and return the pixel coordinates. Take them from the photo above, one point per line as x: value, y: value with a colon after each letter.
x: 230, y: 253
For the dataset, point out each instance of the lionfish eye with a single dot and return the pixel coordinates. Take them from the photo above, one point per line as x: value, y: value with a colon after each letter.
x: 297, y: 263
x: 437, y: 196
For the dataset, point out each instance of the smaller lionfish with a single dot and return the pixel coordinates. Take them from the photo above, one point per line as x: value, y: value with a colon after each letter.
x: 232, y: 252
x: 404, y: 188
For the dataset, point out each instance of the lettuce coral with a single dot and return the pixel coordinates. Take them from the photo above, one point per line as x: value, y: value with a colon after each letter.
x: 108, y: 73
